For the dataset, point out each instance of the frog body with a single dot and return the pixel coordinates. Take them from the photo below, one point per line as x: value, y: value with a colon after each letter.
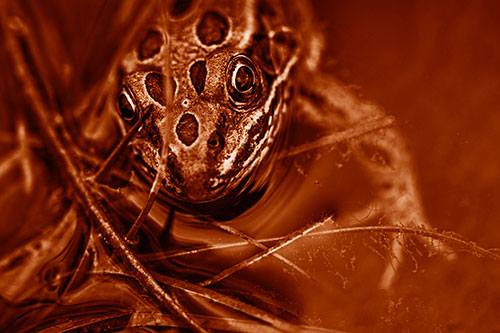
x: 224, y: 77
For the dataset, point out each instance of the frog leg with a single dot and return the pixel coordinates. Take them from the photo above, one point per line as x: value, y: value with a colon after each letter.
x: 381, y: 151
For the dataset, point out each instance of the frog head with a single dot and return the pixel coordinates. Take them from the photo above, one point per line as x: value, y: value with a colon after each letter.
x: 215, y: 76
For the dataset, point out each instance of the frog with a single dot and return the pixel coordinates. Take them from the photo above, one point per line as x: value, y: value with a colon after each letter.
x: 228, y: 81
x: 222, y: 79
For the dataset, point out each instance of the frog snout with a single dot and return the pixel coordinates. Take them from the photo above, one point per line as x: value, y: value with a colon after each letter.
x: 195, y: 154
x: 187, y: 129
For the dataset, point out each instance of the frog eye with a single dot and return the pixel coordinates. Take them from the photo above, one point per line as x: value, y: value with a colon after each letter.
x: 126, y: 106
x: 243, y: 81
x: 243, y: 78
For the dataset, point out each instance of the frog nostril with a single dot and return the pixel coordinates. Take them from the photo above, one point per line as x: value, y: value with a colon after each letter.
x: 187, y: 129
x: 215, y: 141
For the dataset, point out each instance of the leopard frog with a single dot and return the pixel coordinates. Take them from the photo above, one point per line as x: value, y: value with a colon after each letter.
x: 237, y: 70
x: 229, y: 65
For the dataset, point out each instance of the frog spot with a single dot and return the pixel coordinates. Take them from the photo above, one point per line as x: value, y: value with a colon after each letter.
x: 180, y: 7
x: 212, y: 29
x: 154, y: 86
x: 187, y: 129
x: 150, y: 45
x: 198, y: 74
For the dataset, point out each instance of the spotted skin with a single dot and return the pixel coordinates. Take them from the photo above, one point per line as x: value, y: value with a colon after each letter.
x: 218, y: 135
x: 229, y: 69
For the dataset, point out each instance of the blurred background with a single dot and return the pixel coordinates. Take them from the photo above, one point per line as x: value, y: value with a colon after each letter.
x: 435, y: 65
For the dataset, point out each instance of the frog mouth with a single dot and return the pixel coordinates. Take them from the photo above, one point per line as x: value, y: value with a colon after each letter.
x: 198, y: 190
x: 209, y: 192
x: 193, y: 184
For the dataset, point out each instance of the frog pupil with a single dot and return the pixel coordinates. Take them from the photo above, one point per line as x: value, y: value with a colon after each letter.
x: 243, y: 80
x: 126, y: 109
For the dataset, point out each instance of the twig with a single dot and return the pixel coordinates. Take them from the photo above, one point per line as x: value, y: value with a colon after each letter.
x: 153, y: 194
x: 120, y: 147
x: 8, y: 137
x: 84, y: 189
x: 25, y: 156
x: 471, y: 246
x: 228, y: 301
x: 144, y: 319
x: 9, y: 161
x: 261, y: 246
x: 341, y: 136
x: 252, y: 260
x: 160, y: 173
